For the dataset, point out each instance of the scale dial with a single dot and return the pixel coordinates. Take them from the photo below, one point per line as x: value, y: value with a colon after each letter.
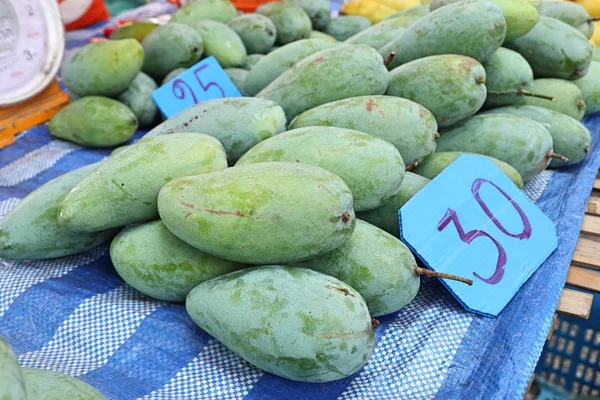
x: 32, y: 41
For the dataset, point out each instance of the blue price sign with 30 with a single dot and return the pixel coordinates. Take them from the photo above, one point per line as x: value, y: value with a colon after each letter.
x: 472, y: 221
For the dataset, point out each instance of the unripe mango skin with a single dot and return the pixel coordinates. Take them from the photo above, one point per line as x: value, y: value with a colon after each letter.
x: 216, y: 10
x: 44, y: 384
x: 460, y: 79
x: 160, y: 265
x: 346, y: 26
x: 379, y: 266
x: 237, y: 76
x: 435, y: 163
x: 332, y: 74
x: 590, y: 88
x: 30, y: 231
x: 169, y: 47
x: 238, y: 123
x: 569, y: 13
x: 322, y: 36
x: 103, y: 68
x: 472, y: 28
x: 418, y: 11
x: 568, y: 98
x: 251, y: 60
x: 319, y: 12
x: 292, y: 322
x: 173, y: 74
x: 221, y: 42
x: 256, y: 31
x: 554, y: 49
x: 520, y: 16
x: 94, y: 121
x: 12, y: 385
x: 135, y: 30
x: 407, y: 125
x: 381, y: 33
x: 260, y: 213
x: 123, y: 189
x: 520, y: 142
x: 506, y: 71
x: 372, y: 168
x: 278, y: 61
x: 291, y: 21
x: 138, y: 97
x: 386, y: 216
x: 570, y: 138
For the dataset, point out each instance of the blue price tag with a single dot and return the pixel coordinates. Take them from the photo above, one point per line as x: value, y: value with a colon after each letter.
x: 203, y: 81
x: 472, y: 221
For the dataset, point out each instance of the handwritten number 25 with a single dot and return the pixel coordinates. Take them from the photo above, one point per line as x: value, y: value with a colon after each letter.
x: 179, y: 86
x: 468, y: 237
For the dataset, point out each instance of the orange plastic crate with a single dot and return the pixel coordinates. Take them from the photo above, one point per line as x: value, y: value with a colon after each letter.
x: 250, y: 5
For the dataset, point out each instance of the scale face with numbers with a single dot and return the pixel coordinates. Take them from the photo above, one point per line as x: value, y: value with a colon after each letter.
x: 31, y: 48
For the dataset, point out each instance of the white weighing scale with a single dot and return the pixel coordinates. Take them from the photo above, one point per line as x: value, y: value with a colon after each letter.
x: 32, y: 44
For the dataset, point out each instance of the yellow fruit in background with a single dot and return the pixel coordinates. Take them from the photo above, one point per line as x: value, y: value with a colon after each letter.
x: 592, y: 7
x: 425, y: 1
x: 400, y: 5
x: 371, y: 9
x: 595, y: 40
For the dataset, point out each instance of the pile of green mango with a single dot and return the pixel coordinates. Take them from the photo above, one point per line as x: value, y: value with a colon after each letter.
x: 273, y: 216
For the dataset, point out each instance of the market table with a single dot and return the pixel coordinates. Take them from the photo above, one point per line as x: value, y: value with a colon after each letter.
x: 77, y: 316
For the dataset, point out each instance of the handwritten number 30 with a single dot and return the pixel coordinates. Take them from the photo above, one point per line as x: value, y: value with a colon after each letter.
x: 468, y: 237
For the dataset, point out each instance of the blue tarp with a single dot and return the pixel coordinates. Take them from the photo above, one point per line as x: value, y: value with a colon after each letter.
x: 77, y: 316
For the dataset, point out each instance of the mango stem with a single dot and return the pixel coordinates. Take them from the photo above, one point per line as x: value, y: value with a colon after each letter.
x: 436, y: 135
x: 374, y: 323
x: 389, y: 59
x: 558, y: 157
x: 411, y: 166
x: 593, y: 19
x: 434, y: 274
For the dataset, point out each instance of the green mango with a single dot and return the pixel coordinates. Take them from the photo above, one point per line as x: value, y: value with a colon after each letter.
x: 346, y: 26
x: 418, y: 11
x: 322, y: 36
x: 103, y: 68
x: 460, y: 79
x: 590, y: 88
x: 379, y: 266
x: 194, y: 11
x: 437, y: 162
x: 31, y: 231
x: 555, y: 50
x: 520, y: 16
x: 239, y: 123
x: 160, y: 265
x: 277, y: 62
x: 472, y: 28
x: 386, y: 216
x: 237, y: 76
x: 570, y: 138
x: 12, y: 386
x: 221, y: 42
x: 596, y: 56
x: 291, y: 21
x: 567, y: 97
x: 169, y: 47
x: 520, y: 142
x: 407, y: 125
x: 383, y: 32
x: 49, y: 385
x: 332, y: 74
x: 260, y: 213
x: 319, y: 11
x: 508, y: 78
x: 94, y: 121
x: 137, y: 30
x: 251, y: 60
x: 123, y: 189
x: 292, y: 322
x: 372, y: 168
x: 173, y: 74
x: 257, y: 32
x: 138, y: 97
x: 570, y: 13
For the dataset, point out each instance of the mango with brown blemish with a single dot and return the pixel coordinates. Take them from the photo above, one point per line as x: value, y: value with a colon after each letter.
x: 452, y: 87
x: 292, y: 322
x: 124, y: 188
x: 260, y: 213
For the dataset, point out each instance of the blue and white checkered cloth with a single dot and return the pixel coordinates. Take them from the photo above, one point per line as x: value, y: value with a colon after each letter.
x: 75, y: 314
